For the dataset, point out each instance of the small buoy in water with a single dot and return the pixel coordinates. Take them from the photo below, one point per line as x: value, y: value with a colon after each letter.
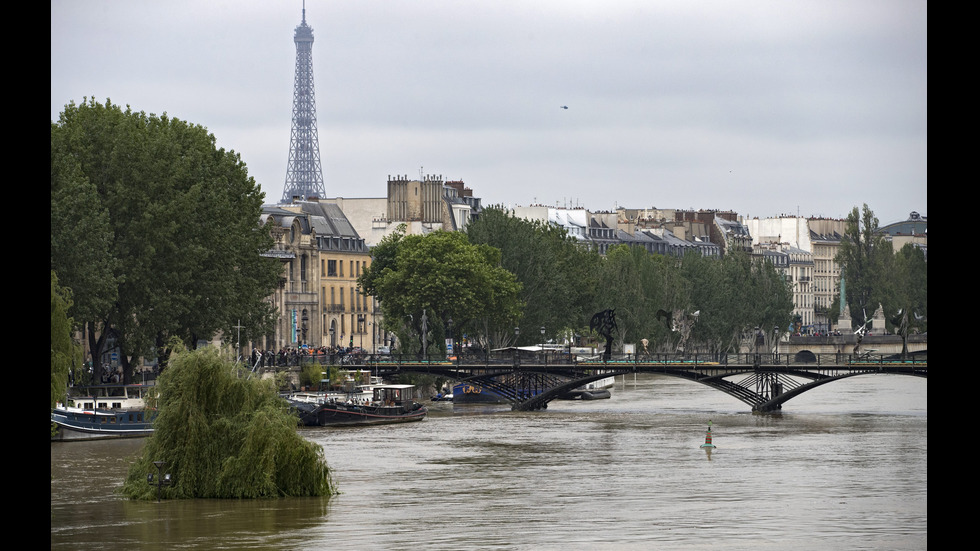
x: 707, y: 438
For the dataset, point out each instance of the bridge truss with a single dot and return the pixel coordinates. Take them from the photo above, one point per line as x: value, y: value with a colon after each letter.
x: 763, y: 385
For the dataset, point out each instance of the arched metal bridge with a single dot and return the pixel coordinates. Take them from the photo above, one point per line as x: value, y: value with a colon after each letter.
x: 764, y: 382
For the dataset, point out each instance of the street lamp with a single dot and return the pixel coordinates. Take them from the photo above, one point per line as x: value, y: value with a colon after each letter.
x: 517, y: 335
x: 775, y: 337
x: 163, y: 479
x: 542, y: 341
x: 449, y: 329
x: 360, y: 328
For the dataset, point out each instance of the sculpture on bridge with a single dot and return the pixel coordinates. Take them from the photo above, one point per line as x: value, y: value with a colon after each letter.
x: 860, y: 332
x: 604, y: 323
x: 679, y: 322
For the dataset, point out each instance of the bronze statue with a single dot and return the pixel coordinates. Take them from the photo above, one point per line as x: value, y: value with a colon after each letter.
x: 604, y: 323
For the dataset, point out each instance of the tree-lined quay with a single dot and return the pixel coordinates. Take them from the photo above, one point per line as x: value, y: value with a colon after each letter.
x: 158, y: 237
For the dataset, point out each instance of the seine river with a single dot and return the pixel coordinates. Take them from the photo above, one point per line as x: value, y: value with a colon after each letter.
x: 841, y: 467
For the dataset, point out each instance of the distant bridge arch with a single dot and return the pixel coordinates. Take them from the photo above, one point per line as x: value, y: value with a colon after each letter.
x: 764, y: 382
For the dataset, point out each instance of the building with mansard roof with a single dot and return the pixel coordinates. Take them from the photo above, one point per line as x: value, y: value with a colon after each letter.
x: 911, y: 231
x: 820, y: 239
x: 422, y: 206
x: 318, y: 301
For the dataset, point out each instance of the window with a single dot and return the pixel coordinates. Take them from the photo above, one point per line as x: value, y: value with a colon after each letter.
x: 332, y: 268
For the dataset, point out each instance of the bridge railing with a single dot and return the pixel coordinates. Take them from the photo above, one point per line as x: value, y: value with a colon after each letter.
x: 552, y: 357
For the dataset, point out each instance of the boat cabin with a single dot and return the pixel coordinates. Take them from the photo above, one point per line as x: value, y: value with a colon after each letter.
x: 111, y: 396
x: 397, y: 395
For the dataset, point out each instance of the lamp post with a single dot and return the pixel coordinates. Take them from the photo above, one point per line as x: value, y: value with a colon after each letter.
x: 517, y: 335
x: 162, y: 479
x: 360, y: 329
x: 449, y: 341
x: 775, y: 338
x: 425, y: 331
x: 542, y: 342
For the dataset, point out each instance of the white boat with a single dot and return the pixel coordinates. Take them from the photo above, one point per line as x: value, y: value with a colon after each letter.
x: 104, y: 411
x: 354, y: 393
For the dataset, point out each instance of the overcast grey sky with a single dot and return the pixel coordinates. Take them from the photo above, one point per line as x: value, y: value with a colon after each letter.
x: 761, y: 107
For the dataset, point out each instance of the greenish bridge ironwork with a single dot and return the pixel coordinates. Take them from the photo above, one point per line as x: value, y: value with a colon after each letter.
x: 763, y: 381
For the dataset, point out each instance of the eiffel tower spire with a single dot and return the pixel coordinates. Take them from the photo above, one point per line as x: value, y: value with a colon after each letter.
x: 304, y: 179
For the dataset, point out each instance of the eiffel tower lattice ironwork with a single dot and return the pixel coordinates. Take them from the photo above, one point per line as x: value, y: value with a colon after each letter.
x: 304, y: 179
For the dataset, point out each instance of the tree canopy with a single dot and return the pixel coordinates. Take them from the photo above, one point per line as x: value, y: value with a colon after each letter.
x: 556, y: 274
x: 221, y: 434
x: 156, y: 230
x: 876, y: 275
x: 693, y: 303
x: 863, y: 255
x: 424, y: 283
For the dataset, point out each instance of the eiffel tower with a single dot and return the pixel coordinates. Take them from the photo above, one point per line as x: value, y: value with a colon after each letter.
x: 304, y: 179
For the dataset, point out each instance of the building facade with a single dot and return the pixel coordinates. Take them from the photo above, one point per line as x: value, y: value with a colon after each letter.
x: 318, y: 301
x: 817, y: 282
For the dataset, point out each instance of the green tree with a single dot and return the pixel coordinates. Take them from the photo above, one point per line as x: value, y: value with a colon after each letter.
x: 906, y: 304
x: 862, y: 256
x: 440, y: 277
x: 734, y: 296
x: 716, y: 291
x: 556, y: 274
x: 170, y: 224
x: 224, y: 435
x: 772, y: 297
x: 81, y: 244
x: 384, y: 256
x: 632, y: 285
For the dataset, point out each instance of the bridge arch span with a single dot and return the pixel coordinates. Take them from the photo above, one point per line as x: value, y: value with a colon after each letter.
x: 762, y: 386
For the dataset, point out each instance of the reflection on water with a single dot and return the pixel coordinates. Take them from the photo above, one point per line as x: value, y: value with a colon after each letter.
x: 842, y: 467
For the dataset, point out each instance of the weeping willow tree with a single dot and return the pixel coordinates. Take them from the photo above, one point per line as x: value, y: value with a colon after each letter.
x: 66, y: 354
x: 225, y: 436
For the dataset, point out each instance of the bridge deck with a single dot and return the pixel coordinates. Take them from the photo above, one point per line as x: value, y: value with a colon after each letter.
x: 536, y: 379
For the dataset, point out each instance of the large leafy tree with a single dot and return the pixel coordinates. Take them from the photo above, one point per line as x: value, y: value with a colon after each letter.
x: 906, y: 304
x: 440, y: 277
x: 718, y: 302
x: 863, y: 255
x: 631, y: 282
x: 167, y: 222
x: 557, y: 275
